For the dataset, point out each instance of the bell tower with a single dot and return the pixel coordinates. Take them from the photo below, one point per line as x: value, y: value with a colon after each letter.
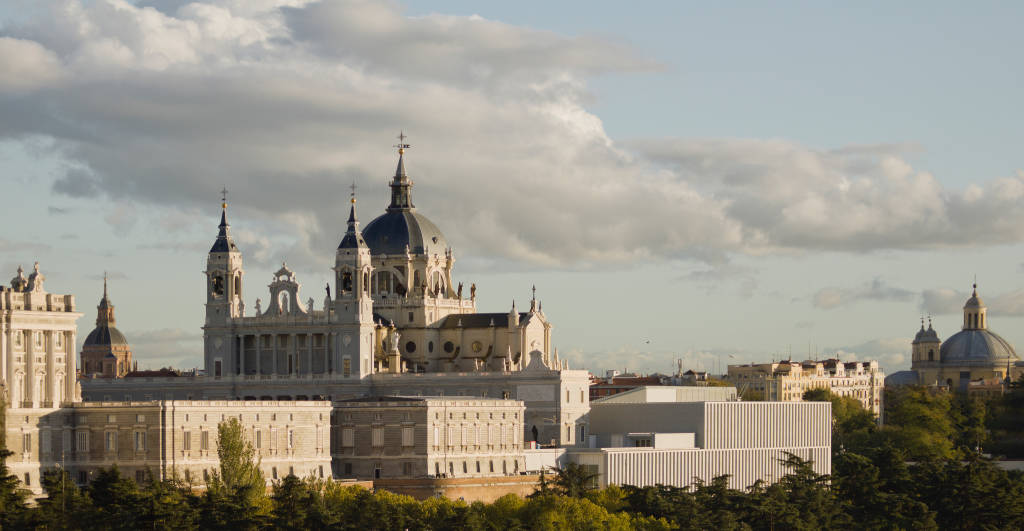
x: 223, y: 297
x: 353, y: 302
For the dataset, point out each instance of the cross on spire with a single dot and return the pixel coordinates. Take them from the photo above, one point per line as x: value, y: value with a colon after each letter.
x: 534, y: 292
x: 401, y: 145
x: 353, y: 194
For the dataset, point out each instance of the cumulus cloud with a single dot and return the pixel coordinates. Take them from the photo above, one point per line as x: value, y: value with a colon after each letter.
x: 877, y: 290
x: 26, y: 65
x: 287, y: 102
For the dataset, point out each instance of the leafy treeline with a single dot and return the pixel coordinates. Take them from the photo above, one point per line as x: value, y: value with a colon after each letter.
x: 925, y: 469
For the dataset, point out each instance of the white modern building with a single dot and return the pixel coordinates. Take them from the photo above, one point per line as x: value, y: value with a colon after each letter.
x: 638, y: 442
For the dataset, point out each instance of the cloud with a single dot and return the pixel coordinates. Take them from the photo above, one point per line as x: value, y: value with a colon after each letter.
x: 892, y: 354
x: 26, y: 65
x: 165, y: 347
x: 833, y: 297
x: 942, y: 301
x: 287, y: 102
x: 712, y: 279
x: 77, y: 182
x: 10, y: 247
x: 58, y: 211
x: 122, y: 218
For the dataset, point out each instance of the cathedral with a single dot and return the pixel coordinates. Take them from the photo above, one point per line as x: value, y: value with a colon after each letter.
x: 105, y: 352
x: 975, y: 360
x: 395, y: 322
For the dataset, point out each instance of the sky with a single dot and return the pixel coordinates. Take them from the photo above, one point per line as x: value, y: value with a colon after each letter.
x: 716, y: 182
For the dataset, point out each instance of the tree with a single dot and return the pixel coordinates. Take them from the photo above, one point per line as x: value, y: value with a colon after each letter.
x: 12, y: 494
x: 236, y: 493
x: 117, y: 500
x: 169, y: 504
x: 292, y: 498
x: 921, y: 421
x: 574, y: 480
x: 65, y: 506
x: 853, y: 427
x: 802, y: 499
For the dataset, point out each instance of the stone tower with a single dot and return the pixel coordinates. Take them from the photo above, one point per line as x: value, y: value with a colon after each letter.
x: 223, y: 299
x: 925, y: 348
x: 353, y: 302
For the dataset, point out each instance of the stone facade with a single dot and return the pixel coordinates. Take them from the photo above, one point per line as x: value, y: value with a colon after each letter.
x: 556, y: 401
x: 165, y: 438
x: 37, y: 343
x: 788, y: 380
x: 408, y: 437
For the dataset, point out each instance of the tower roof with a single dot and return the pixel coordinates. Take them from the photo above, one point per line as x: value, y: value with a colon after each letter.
x: 353, y: 238
x: 974, y: 301
x: 224, y: 243
x: 105, y: 334
x: 401, y: 229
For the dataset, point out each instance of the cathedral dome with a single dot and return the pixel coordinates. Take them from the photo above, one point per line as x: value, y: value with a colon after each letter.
x: 103, y: 336
x: 401, y: 225
x: 391, y: 232
x: 976, y: 346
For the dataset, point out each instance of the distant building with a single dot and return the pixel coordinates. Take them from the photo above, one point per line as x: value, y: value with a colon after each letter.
x: 614, y: 383
x: 786, y: 381
x: 651, y: 436
x: 975, y: 360
x: 106, y: 353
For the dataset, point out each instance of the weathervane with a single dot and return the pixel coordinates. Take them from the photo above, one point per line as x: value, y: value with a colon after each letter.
x: 401, y: 145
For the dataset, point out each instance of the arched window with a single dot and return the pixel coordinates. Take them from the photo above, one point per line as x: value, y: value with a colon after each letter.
x: 931, y: 354
x: 217, y: 285
x: 346, y: 281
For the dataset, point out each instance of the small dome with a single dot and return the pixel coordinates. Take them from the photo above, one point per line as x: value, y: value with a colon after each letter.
x: 104, y: 336
x: 975, y: 300
x: 392, y: 231
x: 976, y: 347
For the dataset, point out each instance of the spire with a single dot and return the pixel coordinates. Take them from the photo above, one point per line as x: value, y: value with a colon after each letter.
x: 401, y: 186
x: 224, y: 242
x: 105, y: 301
x: 353, y: 238
x: 105, y: 310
